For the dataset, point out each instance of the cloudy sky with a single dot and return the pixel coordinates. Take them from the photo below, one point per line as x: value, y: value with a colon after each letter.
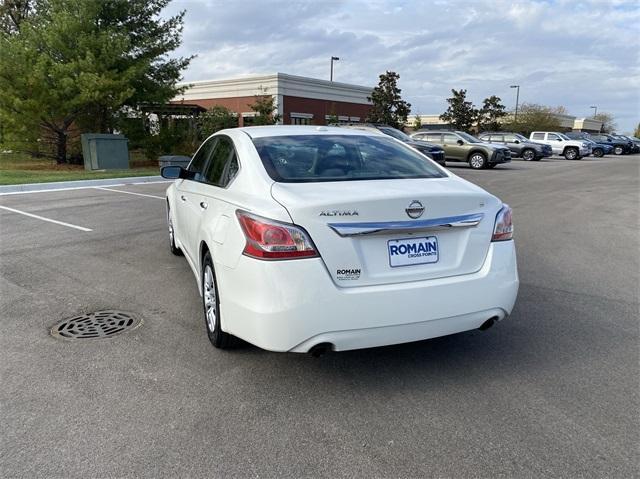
x: 561, y: 52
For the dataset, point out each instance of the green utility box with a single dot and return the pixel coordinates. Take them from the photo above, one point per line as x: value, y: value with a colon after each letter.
x: 105, y: 152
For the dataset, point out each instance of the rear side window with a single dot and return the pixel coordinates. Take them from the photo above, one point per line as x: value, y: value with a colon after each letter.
x: 538, y: 136
x: 315, y: 158
x: 230, y: 171
x: 450, y: 138
x: 434, y: 137
x: 497, y: 138
x: 223, y: 164
x: 199, y: 160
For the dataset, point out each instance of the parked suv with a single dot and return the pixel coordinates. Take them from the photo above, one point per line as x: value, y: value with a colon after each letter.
x: 435, y: 152
x: 520, y: 146
x: 562, y: 145
x: 598, y: 149
x: 460, y: 146
x: 620, y: 146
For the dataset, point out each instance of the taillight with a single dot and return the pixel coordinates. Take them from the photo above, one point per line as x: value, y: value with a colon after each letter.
x: 503, y: 229
x: 269, y: 239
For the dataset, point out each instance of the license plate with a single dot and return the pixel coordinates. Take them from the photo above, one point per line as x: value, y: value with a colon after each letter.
x: 411, y: 251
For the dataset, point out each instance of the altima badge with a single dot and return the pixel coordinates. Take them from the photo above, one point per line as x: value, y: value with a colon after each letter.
x: 415, y: 209
x: 339, y: 213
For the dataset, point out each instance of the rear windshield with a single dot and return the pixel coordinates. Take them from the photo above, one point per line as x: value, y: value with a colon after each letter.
x: 312, y: 158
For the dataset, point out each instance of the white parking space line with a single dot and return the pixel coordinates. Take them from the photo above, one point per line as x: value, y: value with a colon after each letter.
x: 62, y: 223
x: 71, y: 188
x: 128, y: 192
x: 151, y: 182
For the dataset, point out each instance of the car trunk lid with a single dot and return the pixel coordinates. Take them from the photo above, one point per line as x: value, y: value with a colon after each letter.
x: 372, y: 232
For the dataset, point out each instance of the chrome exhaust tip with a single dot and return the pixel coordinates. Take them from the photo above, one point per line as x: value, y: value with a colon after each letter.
x: 488, y: 323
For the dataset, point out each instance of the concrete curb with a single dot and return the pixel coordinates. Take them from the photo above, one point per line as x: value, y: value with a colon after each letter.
x: 78, y: 184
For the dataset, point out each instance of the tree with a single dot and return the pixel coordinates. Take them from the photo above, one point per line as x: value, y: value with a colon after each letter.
x: 608, y: 122
x: 12, y: 13
x: 490, y: 114
x: 533, y: 117
x: 215, y: 119
x: 265, y: 108
x: 76, y: 63
x: 332, y: 117
x: 461, y: 114
x: 388, y: 107
x: 636, y: 133
x: 417, y: 124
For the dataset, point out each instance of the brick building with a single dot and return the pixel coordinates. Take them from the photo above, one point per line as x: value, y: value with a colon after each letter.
x: 299, y: 100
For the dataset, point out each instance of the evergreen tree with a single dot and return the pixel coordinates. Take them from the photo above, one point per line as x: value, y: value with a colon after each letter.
x: 70, y: 63
x: 461, y: 114
x: 490, y: 114
x: 388, y: 107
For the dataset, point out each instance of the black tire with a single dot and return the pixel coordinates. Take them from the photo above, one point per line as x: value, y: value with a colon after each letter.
x: 210, y: 299
x: 618, y: 150
x: 529, y: 155
x: 598, y: 152
x: 571, y: 153
x: 477, y: 160
x: 172, y: 240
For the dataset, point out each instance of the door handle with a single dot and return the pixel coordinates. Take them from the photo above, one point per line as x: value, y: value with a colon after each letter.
x: 203, y: 205
x: 183, y: 198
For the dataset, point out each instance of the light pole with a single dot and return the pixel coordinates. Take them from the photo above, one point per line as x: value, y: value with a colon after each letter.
x: 595, y: 110
x: 517, y: 87
x: 332, y: 60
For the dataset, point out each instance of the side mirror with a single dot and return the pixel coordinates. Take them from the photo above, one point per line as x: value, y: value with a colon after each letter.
x: 559, y: 139
x: 460, y: 142
x: 517, y: 142
x: 174, y: 172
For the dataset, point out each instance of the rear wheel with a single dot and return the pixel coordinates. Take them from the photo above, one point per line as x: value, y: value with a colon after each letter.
x: 618, y: 150
x: 571, y: 154
x: 598, y: 152
x: 211, y: 306
x: 528, y: 155
x: 172, y: 235
x: 477, y: 161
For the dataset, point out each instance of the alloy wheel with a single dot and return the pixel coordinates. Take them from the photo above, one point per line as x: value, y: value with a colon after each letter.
x: 528, y: 155
x: 210, y: 303
x: 171, y: 233
x: 477, y: 161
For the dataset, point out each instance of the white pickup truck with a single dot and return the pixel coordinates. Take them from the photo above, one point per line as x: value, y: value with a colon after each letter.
x: 561, y: 144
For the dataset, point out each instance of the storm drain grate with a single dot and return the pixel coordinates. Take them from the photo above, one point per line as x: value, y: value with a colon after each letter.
x: 98, y: 325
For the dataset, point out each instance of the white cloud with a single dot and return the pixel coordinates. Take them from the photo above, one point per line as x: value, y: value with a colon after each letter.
x: 561, y: 52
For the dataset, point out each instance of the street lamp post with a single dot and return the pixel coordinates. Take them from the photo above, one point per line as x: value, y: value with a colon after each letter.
x: 595, y: 110
x: 517, y: 87
x: 332, y: 60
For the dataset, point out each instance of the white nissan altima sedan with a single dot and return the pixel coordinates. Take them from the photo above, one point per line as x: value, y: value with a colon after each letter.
x: 308, y: 239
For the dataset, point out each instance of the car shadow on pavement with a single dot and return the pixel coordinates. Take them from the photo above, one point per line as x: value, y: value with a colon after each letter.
x: 537, y: 340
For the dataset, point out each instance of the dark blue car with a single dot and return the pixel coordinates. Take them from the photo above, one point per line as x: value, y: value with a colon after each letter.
x: 598, y: 148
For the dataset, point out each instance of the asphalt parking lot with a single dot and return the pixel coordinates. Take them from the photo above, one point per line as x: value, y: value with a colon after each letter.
x: 552, y: 391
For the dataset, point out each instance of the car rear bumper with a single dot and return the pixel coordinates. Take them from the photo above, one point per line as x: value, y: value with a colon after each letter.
x: 295, y: 305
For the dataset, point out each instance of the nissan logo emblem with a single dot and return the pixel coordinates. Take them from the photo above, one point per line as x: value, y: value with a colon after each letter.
x: 415, y: 209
